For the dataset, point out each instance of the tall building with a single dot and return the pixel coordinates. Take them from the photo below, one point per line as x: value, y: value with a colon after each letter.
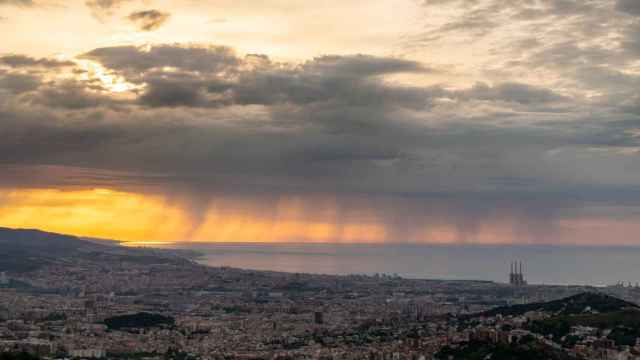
x: 516, y: 275
x: 4, y: 280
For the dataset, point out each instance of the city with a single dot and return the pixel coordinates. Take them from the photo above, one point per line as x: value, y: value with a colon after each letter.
x: 107, y: 301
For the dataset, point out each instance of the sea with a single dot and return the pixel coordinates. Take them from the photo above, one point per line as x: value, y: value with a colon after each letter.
x: 542, y: 264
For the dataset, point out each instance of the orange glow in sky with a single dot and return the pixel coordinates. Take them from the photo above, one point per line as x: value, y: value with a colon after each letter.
x: 148, y: 219
x: 134, y: 217
x: 93, y: 213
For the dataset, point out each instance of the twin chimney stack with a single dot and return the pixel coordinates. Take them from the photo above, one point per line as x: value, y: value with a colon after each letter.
x: 516, y: 276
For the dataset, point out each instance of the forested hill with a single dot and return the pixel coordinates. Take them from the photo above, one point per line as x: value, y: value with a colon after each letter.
x: 577, y: 304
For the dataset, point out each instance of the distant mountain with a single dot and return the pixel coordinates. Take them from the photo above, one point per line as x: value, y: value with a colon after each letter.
x: 573, y: 305
x: 36, y: 242
x: 24, y: 250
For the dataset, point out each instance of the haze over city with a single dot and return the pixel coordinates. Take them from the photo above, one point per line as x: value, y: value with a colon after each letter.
x: 431, y: 121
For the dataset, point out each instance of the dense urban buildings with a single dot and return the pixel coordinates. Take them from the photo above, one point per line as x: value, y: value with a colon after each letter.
x: 93, y: 300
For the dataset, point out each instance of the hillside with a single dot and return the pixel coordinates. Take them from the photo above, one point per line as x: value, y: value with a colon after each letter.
x: 573, y: 305
x: 528, y: 349
x: 624, y: 323
x: 35, y: 242
x: 27, y: 250
x: 594, y: 310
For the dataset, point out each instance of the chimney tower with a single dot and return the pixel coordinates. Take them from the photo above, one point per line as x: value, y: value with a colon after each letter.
x: 516, y: 276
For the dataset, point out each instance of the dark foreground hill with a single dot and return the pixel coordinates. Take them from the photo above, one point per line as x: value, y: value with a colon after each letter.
x: 17, y: 356
x: 624, y: 325
x: 527, y: 349
x: 573, y: 305
x: 621, y: 319
x: 28, y: 250
x: 592, y: 310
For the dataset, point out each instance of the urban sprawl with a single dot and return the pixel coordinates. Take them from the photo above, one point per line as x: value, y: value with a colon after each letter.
x: 93, y: 300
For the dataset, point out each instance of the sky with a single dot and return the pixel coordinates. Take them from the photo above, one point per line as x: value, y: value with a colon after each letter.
x: 396, y: 121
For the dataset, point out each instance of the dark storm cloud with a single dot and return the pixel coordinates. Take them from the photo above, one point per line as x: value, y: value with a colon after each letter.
x: 216, y: 76
x: 39, y: 132
x: 149, y: 20
x: 372, y: 156
x: 628, y: 6
x: 19, y: 83
x: 18, y: 61
x: 171, y: 93
x: 301, y: 87
x: 360, y: 65
x: 69, y: 95
x: 131, y: 59
x: 219, y: 58
x: 512, y: 92
x: 631, y: 41
x: 206, y: 118
x: 552, y: 122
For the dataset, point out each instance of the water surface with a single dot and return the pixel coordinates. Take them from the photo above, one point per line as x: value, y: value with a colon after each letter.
x: 543, y: 264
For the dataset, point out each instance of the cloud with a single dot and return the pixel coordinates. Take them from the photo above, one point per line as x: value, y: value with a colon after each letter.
x: 17, y: 2
x: 19, y: 83
x: 361, y: 65
x: 524, y: 107
x: 330, y: 80
x: 18, y: 61
x: 204, y: 121
x: 149, y: 20
x: 70, y: 95
x: 215, y: 76
x: 513, y: 92
x: 131, y: 59
x: 105, y: 4
x: 558, y: 45
x: 102, y: 9
x: 629, y: 6
x: 171, y: 93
